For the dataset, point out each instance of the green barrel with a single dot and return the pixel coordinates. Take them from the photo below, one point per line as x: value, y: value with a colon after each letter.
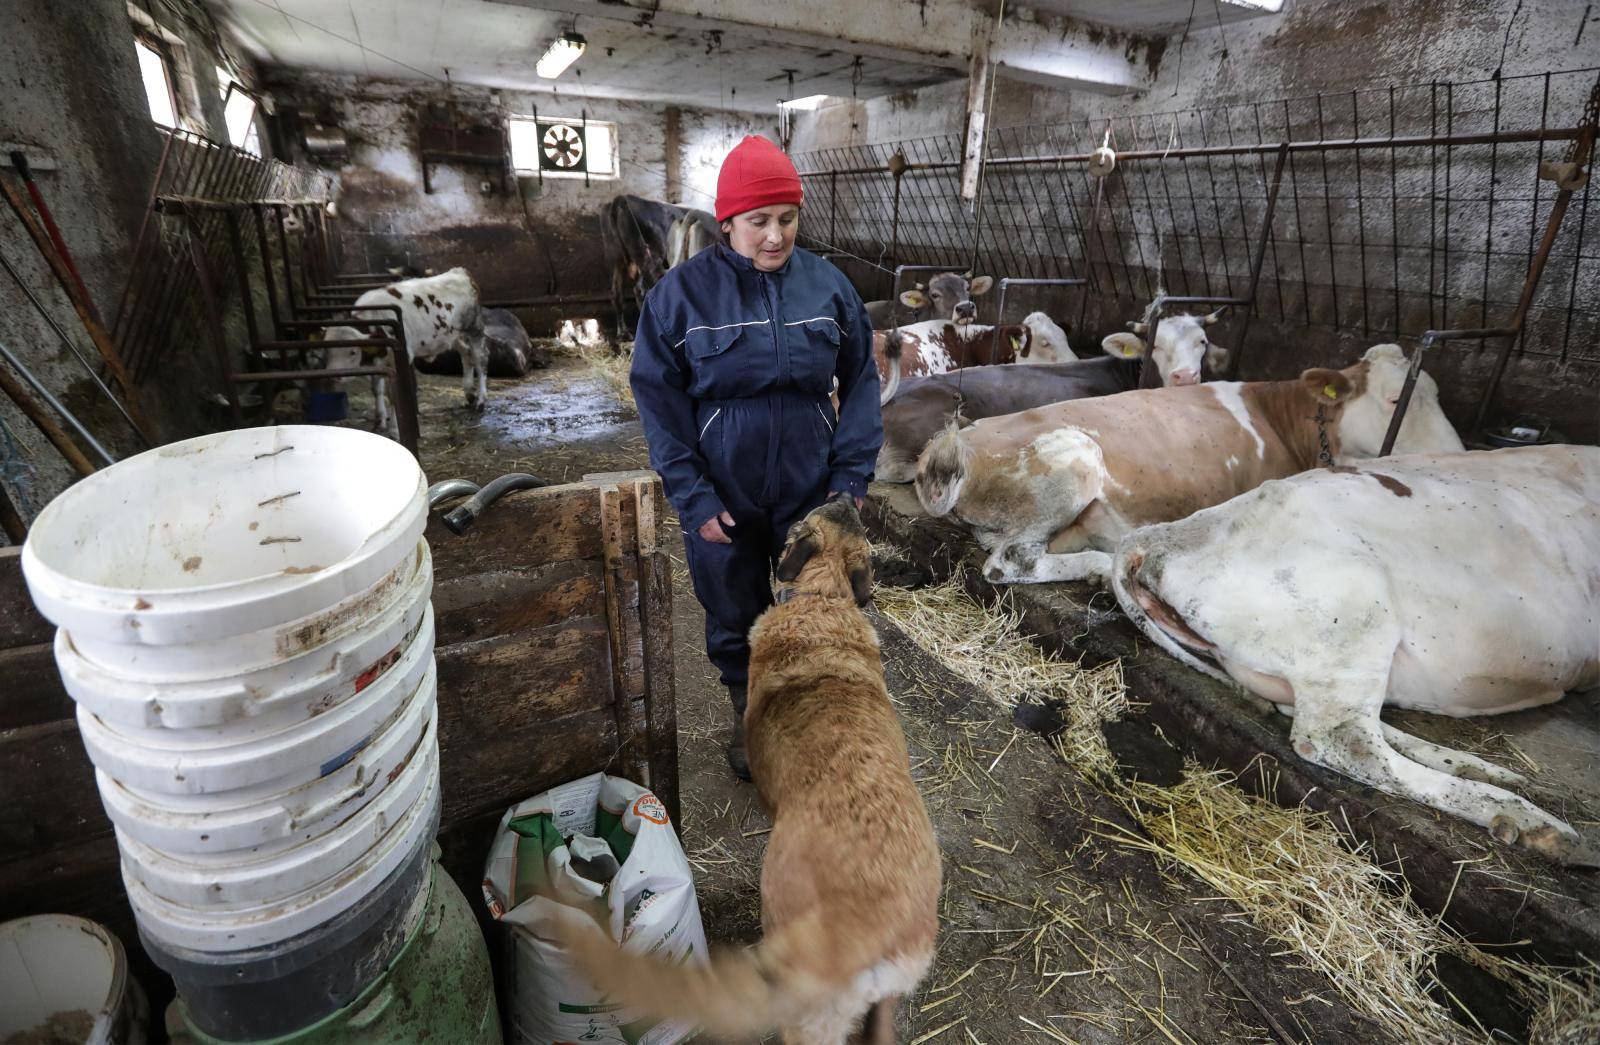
x: 438, y: 988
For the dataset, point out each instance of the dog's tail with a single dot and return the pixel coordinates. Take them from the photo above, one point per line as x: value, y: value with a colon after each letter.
x: 891, y: 352
x: 942, y: 470
x: 737, y: 994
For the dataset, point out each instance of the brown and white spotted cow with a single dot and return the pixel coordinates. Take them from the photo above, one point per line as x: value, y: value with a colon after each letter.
x: 439, y: 313
x: 939, y: 346
x: 1049, y: 492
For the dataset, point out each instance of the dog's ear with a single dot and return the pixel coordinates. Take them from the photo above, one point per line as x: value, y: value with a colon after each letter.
x: 797, y: 555
x: 861, y: 584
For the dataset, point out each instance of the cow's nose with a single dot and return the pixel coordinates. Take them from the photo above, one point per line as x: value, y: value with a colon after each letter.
x: 1186, y: 377
x: 966, y: 310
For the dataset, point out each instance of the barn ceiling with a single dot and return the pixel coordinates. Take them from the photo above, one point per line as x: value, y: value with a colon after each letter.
x: 496, y: 45
x: 735, y: 54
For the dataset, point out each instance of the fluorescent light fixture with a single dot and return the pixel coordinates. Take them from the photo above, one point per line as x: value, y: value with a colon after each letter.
x: 562, y: 53
x: 815, y: 101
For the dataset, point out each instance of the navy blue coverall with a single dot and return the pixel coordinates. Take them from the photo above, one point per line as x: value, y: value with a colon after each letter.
x: 732, y: 368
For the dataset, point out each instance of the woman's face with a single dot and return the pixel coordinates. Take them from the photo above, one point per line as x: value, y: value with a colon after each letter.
x: 765, y: 236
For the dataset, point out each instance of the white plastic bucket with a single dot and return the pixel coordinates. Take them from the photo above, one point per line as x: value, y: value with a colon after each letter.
x: 250, y: 817
x: 258, y: 925
x: 226, y: 881
x: 250, y: 651
x: 220, y: 759
x: 226, y: 534
x: 134, y: 693
x: 66, y: 979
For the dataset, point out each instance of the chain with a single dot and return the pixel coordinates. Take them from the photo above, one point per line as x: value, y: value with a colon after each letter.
x: 1325, y: 453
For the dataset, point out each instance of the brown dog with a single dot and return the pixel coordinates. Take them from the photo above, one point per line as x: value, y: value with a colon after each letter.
x: 850, y: 885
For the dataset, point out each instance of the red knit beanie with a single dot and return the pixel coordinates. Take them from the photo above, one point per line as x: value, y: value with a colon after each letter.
x: 756, y: 174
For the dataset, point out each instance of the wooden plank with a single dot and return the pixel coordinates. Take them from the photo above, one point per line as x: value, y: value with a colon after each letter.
x: 630, y: 761
x: 655, y: 615
x: 50, y: 796
x: 524, y: 530
x: 500, y: 602
x: 20, y: 623
x: 30, y: 688
x: 514, y: 706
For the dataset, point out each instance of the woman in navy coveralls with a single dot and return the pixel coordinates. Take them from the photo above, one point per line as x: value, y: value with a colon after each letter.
x: 737, y: 351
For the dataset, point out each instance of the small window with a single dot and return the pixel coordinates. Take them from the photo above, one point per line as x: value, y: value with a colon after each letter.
x: 157, y: 84
x: 561, y: 147
x: 240, y: 114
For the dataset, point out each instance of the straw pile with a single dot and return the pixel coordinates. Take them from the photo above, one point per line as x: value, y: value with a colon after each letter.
x: 1289, y: 870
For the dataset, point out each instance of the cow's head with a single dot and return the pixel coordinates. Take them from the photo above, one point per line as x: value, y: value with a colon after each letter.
x: 1182, y: 349
x: 949, y: 296
x: 1046, y: 341
x: 1367, y: 393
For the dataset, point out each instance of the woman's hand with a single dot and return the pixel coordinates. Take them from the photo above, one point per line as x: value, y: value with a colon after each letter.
x: 713, y: 529
x: 859, y: 500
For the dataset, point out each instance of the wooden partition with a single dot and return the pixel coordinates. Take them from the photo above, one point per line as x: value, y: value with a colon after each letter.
x: 554, y: 645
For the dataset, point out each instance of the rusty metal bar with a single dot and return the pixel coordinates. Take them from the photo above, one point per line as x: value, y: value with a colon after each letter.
x: 55, y: 404
x: 253, y: 376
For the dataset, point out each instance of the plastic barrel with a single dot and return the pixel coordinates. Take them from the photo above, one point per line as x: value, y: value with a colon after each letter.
x: 66, y: 979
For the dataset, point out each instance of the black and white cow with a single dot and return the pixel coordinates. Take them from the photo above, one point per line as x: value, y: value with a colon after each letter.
x: 642, y: 239
x: 439, y: 313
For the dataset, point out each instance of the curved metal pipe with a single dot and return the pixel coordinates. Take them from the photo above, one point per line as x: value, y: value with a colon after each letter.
x: 449, y: 490
x: 461, y: 517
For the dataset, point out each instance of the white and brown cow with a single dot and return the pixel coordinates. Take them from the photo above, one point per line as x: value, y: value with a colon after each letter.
x: 1459, y: 584
x: 439, y: 313
x: 938, y: 347
x: 1182, y: 353
x: 1049, y: 492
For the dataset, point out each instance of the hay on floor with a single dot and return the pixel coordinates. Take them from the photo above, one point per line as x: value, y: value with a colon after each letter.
x: 1289, y: 870
x: 611, y: 367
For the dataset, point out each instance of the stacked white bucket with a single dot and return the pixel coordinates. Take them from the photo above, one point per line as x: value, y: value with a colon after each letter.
x: 245, y: 627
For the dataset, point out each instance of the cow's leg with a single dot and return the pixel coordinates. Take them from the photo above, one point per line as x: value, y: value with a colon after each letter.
x: 1336, y: 726
x: 1031, y: 564
x: 1448, y: 760
x: 1444, y: 759
x: 380, y: 401
x: 474, y: 354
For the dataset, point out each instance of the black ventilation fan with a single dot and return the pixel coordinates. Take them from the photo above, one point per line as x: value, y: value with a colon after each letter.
x: 561, y: 148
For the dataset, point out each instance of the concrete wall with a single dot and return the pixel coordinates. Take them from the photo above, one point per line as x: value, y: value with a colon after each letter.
x: 72, y: 94
x: 532, y: 240
x: 1316, y: 46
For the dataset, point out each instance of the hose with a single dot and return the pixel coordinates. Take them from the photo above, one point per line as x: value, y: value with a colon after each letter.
x: 461, y: 517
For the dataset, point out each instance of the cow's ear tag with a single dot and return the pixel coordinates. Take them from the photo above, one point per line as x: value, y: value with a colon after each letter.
x: 1330, y: 391
x: 1016, y: 342
x: 1128, y: 352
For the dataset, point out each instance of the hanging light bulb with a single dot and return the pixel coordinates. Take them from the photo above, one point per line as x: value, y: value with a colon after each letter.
x: 566, y: 49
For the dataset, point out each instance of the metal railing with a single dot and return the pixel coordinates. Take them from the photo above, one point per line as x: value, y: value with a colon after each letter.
x: 1401, y: 209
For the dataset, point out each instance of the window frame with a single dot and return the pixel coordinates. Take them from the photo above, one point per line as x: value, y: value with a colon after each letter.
x: 589, y: 126
x: 163, y: 53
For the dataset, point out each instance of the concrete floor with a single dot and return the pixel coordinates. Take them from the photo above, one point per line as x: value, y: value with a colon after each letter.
x: 1045, y: 925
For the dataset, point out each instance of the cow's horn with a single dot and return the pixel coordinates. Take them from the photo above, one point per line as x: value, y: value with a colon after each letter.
x: 1139, y: 328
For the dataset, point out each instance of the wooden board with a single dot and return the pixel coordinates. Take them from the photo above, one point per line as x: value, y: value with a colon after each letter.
x: 30, y: 687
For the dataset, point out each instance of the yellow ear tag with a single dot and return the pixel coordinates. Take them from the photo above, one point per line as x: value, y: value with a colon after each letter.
x: 1016, y: 343
x: 1128, y: 353
x: 1330, y: 391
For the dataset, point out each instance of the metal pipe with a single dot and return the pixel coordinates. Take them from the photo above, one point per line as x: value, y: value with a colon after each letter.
x: 1555, y: 134
x: 250, y: 377
x: 460, y: 518
x: 73, y: 348
x: 449, y: 490
x: 65, y: 414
